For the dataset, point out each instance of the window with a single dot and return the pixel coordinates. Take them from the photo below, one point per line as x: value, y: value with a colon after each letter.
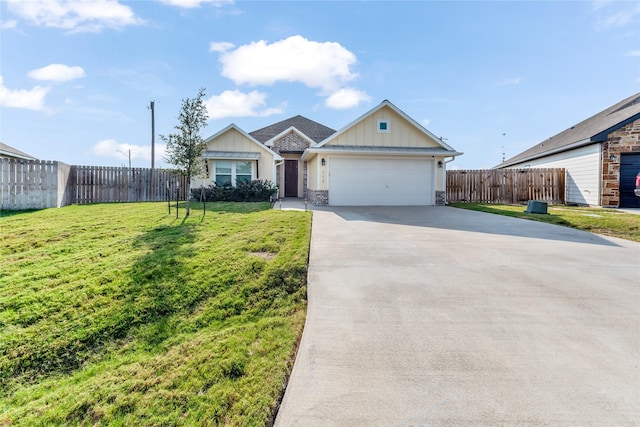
x: 230, y: 172
x: 384, y: 126
x: 223, y: 173
x: 243, y: 172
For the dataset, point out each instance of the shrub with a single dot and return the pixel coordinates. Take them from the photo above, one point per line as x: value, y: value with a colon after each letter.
x: 254, y: 191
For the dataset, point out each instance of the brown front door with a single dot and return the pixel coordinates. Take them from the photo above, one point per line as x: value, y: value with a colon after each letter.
x: 290, y: 178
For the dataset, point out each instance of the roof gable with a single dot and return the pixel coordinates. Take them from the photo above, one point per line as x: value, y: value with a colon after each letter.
x: 315, y: 131
x: 589, y: 131
x: 270, y: 141
x: 386, y: 104
x: 234, y: 128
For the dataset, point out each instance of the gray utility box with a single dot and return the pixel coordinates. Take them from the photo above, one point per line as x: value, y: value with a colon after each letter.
x: 536, y: 207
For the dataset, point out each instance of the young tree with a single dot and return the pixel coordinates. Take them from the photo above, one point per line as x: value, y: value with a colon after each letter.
x: 185, y: 148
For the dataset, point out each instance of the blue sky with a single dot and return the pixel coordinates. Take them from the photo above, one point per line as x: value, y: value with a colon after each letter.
x: 77, y: 77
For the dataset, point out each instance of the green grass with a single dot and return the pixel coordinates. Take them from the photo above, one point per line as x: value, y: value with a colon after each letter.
x: 609, y: 222
x: 120, y: 314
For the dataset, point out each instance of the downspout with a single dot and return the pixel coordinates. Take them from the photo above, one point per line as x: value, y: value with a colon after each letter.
x: 444, y: 177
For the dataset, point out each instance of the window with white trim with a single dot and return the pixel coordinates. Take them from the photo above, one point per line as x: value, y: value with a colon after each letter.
x: 228, y: 173
x: 384, y: 126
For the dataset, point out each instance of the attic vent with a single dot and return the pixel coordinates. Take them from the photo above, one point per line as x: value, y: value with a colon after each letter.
x: 384, y: 126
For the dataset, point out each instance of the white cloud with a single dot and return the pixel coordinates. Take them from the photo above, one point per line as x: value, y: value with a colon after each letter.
x: 233, y: 103
x: 346, y: 98
x: 324, y: 65
x: 512, y: 81
x: 75, y: 16
x: 625, y: 14
x: 220, y: 46
x: 190, y: 4
x: 425, y: 122
x: 9, y: 25
x: 120, y: 151
x: 32, y: 99
x: 633, y: 53
x: 57, y: 73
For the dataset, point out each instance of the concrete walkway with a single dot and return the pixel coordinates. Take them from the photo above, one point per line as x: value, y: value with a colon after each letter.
x: 292, y: 204
x: 436, y: 316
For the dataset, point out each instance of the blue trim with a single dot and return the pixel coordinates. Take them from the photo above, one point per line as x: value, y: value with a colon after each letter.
x: 602, y: 136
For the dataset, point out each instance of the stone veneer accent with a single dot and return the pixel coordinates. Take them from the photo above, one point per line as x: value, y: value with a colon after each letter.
x: 441, y: 198
x: 290, y: 142
x: 624, y: 140
x: 318, y: 197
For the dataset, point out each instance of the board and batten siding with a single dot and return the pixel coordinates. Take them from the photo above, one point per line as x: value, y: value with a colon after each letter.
x: 582, y: 167
x: 401, y: 133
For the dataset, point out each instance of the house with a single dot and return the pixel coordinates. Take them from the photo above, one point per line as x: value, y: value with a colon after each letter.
x: 7, y: 151
x: 601, y: 156
x: 384, y: 157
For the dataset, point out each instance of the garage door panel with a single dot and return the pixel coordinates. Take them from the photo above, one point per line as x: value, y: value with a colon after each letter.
x: 361, y: 182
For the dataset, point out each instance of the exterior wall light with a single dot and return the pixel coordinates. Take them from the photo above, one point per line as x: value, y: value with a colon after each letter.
x: 324, y: 162
x: 439, y: 163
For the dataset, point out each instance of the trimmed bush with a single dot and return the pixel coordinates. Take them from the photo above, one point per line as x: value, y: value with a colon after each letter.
x: 254, y: 191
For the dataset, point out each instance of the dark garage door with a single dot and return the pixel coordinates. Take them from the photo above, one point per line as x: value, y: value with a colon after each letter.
x: 629, y: 167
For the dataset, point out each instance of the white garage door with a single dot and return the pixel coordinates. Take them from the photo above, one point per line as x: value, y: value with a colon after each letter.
x: 380, y: 182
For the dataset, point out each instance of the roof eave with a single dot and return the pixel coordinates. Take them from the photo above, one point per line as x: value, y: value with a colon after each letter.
x: 604, y: 135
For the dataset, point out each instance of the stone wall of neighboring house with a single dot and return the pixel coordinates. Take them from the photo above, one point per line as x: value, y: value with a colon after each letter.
x: 624, y: 140
x: 291, y: 142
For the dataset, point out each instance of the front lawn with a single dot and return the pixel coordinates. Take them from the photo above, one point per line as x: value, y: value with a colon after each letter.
x: 121, y: 314
x: 609, y: 222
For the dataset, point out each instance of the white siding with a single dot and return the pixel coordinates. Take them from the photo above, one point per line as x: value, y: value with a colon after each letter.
x: 583, y: 169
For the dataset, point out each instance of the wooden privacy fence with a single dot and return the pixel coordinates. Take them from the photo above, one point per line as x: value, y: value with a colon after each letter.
x: 31, y: 184
x: 506, y: 185
x: 95, y: 184
x: 36, y: 184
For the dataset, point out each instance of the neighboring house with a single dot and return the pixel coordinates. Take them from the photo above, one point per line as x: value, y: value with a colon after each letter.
x: 383, y: 157
x: 7, y: 151
x: 601, y: 156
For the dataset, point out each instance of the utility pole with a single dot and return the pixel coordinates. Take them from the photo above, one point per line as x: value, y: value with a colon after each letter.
x: 153, y: 136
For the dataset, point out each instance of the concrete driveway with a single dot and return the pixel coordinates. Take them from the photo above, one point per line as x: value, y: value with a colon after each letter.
x: 436, y: 316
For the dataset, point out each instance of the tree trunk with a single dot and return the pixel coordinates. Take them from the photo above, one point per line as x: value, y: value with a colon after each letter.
x: 188, y: 205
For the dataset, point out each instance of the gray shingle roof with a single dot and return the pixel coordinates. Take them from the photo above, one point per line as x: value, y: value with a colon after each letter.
x: 313, y: 130
x: 593, y: 129
x: 9, y: 151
